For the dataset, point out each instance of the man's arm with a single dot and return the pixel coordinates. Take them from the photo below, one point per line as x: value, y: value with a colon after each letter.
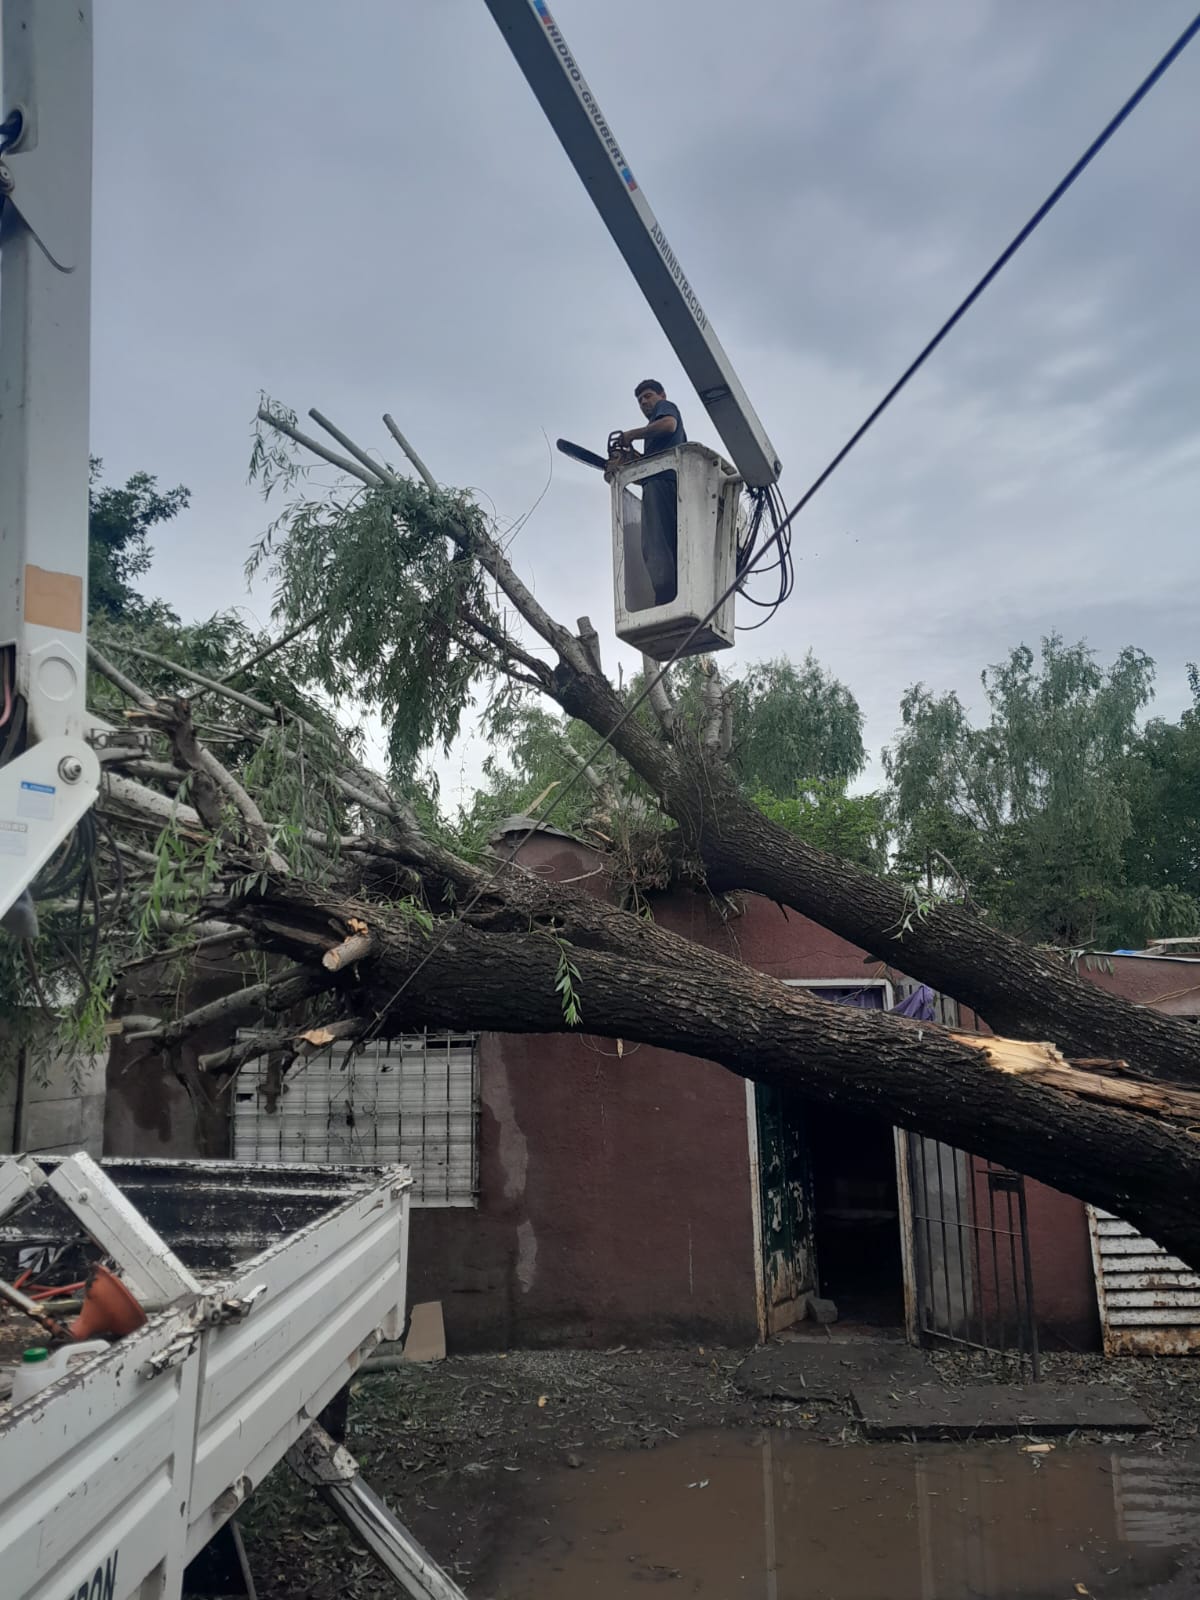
x: 651, y: 430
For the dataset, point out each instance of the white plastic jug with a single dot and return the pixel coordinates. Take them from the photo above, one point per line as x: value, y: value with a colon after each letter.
x: 39, y: 1367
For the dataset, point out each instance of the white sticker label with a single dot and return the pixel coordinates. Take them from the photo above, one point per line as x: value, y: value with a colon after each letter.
x: 14, y: 839
x: 36, y: 800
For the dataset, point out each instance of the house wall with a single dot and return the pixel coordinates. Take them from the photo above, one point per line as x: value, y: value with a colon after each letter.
x: 162, y: 1104
x: 614, y: 1203
x: 51, y: 1103
x: 597, y: 1220
x: 614, y: 1191
x: 1064, y: 1282
x: 1166, y: 984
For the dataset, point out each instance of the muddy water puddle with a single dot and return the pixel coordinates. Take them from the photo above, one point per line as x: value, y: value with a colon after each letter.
x: 724, y: 1516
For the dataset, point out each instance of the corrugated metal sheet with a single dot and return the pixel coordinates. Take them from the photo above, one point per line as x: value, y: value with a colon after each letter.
x: 413, y: 1100
x: 1149, y: 1300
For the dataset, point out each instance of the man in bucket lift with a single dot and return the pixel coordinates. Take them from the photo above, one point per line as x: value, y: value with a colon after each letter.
x: 660, y: 520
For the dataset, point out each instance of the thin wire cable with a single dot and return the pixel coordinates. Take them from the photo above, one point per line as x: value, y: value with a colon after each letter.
x: 1002, y: 260
x: 779, y: 536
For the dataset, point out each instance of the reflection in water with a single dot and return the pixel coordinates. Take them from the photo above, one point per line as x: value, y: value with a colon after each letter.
x: 720, y: 1515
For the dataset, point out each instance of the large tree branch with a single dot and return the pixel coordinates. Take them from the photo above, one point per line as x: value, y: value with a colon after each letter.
x: 115, y: 676
x: 1019, y: 990
x: 278, y: 994
x: 213, y: 778
x: 1008, y: 1100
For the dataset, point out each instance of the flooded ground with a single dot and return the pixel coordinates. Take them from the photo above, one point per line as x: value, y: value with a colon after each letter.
x: 722, y: 1515
x: 567, y: 1472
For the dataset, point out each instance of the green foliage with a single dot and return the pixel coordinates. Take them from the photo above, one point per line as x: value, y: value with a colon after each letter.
x: 566, y: 979
x: 793, y: 725
x: 798, y: 739
x: 390, y: 585
x: 119, y: 524
x: 184, y: 871
x: 854, y: 827
x: 1031, y: 813
x: 541, y: 752
x: 416, y: 913
x: 1163, y: 773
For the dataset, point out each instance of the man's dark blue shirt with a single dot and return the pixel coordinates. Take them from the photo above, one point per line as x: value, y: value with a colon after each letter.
x: 665, y: 441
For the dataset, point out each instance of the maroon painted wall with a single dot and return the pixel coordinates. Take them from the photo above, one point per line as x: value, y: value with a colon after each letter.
x: 615, y: 1202
x: 1064, y: 1283
x: 614, y: 1207
x: 1166, y: 984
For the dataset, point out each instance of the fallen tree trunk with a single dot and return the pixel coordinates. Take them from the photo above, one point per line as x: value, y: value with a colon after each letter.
x: 1018, y: 990
x: 1010, y: 1101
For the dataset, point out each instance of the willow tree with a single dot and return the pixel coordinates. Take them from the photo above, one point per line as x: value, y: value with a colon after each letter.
x: 253, y: 819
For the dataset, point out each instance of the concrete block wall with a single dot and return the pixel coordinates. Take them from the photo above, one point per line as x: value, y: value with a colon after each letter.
x: 57, y: 1100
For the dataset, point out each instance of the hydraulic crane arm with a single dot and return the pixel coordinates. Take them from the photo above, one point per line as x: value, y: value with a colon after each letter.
x: 49, y: 775
x: 553, y: 74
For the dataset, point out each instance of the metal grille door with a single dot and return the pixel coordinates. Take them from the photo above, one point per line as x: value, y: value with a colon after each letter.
x: 974, y: 1280
x: 414, y: 1099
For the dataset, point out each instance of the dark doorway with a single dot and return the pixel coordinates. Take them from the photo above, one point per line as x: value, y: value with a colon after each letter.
x: 856, y: 1216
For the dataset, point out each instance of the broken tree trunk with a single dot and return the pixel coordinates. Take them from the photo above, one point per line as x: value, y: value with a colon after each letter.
x: 1018, y: 990
x: 1009, y: 1101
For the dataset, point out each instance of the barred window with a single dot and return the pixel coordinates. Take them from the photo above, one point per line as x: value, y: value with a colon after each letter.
x: 413, y: 1099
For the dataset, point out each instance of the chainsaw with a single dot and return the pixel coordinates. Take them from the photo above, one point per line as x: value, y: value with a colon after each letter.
x: 618, y: 455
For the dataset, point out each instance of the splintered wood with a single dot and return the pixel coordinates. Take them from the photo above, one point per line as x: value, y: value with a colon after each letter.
x: 1044, y: 1062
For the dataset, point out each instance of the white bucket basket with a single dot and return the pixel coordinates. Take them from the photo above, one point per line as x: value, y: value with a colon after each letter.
x: 705, y: 505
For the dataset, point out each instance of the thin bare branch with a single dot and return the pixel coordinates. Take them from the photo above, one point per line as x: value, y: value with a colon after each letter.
x: 161, y: 771
x: 116, y: 676
x: 343, y: 463
x: 422, y: 470
x: 221, y: 939
x: 659, y: 697
x: 277, y: 994
x: 355, y: 450
x: 494, y: 562
x: 385, y: 804
x: 237, y: 1054
x: 508, y: 647
x: 158, y: 809
x: 200, y: 760
x: 269, y: 650
x: 211, y: 685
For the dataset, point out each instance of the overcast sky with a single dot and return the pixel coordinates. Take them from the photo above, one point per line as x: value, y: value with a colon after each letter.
x: 361, y: 207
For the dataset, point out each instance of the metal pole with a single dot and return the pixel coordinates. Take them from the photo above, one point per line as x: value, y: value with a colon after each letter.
x: 45, y: 355
x: 1035, y: 1358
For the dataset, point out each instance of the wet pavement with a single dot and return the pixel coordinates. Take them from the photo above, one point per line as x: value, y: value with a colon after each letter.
x: 723, y: 1515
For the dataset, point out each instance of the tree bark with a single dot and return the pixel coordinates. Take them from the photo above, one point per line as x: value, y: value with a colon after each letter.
x: 1019, y: 990
x: 985, y: 1095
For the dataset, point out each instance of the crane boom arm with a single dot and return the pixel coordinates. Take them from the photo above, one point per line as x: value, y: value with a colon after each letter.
x: 553, y: 74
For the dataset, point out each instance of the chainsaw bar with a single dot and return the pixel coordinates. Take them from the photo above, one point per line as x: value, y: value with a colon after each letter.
x: 578, y: 453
